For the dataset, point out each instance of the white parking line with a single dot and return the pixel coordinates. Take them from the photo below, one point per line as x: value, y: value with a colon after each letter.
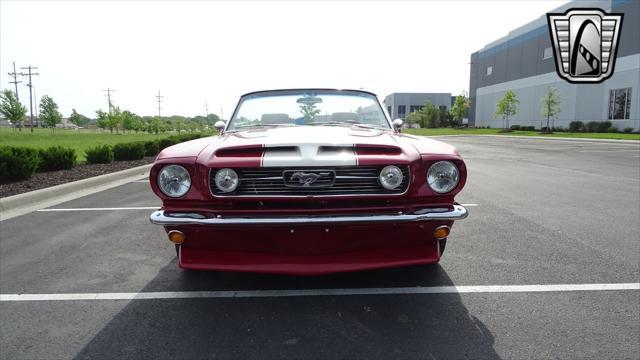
x: 136, y: 208
x: 320, y: 292
x: 103, y: 209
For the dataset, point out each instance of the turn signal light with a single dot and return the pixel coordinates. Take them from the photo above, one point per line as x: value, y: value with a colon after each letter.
x: 176, y: 237
x: 441, y: 232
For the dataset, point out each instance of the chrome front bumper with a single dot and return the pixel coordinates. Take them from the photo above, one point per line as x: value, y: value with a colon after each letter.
x: 160, y: 217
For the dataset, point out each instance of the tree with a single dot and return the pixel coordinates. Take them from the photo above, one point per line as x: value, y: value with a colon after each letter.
x: 430, y: 115
x: 109, y: 120
x: 414, y: 117
x: 78, y: 119
x: 507, y: 106
x: 49, y: 112
x: 11, y: 108
x: 128, y: 120
x: 550, y: 105
x: 460, y: 108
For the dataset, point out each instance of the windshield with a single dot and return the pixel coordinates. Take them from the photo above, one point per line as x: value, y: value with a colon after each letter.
x: 309, y: 107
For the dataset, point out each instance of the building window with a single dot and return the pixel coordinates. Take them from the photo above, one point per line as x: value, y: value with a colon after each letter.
x: 413, y: 108
x: 389, y: 110
x: 489, y: 70
x: 402, y: 109
x: 547, y: 53
x: 619, y: 103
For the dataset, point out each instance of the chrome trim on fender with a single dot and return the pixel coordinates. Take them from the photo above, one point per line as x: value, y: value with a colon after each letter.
x: 160, y: 217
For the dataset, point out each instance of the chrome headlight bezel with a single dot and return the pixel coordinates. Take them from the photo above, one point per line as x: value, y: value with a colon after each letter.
x: 391, y: 177
x: 447, y: 172
x: 226, y: 176
x: 174, y: 176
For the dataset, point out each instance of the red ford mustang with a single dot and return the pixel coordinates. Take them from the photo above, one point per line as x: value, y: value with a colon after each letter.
x: 308, y: 181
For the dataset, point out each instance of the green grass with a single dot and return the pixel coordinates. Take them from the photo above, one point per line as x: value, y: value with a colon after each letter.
x: 448, y: 131
x: 79, y: 140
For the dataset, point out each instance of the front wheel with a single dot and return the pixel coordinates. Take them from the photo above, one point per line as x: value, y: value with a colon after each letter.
x: 442, y: 245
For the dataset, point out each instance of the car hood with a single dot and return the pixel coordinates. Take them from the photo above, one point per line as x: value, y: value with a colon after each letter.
x: 316, y: 146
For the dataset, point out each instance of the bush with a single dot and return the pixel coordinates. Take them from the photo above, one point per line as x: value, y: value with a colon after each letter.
x: 502, y: 131
x: 628, y: 130
x: 165, y: 143
x: 18, y: 163
x: 128, y: 151
x: 576, y: 126
x: 613, y: 129
x: 604, y: 126
x: 151, y: 148
x: 515, y: 127
x: 56, y: 158
x: 592, y: 126
x: 544, y: 129
x: 99, y: 155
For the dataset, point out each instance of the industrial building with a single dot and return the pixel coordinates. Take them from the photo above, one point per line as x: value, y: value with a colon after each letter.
x: 399, y: 105
x: 523, y: 61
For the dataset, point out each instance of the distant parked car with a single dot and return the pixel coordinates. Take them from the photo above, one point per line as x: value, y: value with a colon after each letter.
x: 308, y: 181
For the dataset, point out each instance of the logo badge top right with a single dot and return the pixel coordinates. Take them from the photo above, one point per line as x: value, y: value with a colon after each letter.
x: 585, y: 42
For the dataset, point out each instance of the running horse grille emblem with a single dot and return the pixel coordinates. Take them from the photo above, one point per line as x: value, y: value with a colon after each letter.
x: 585, y: 42
x: 309, y: 179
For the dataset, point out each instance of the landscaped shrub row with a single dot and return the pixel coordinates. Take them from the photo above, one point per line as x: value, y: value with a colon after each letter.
x: 20, y: 163
x: 102, y: 154
x: 523, y: 128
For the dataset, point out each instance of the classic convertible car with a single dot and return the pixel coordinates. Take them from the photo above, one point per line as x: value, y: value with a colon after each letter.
x: 308, y: 181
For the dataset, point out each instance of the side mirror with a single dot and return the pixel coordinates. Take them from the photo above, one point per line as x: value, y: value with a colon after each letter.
x: 220, y: 125
x: 397, y: 124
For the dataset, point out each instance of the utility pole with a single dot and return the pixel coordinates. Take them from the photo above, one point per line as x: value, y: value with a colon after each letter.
x: 206, y: 109
x: 30, y: 85
x: 109, y: 91
x: 15, y: 81
x: 159, y: 100
x: 221, y: 114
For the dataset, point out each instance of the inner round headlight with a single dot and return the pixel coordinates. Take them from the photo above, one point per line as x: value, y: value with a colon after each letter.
x: 174, y: 180
x: 443, y: 176
x: 390, y: 177
x: 227, y: 180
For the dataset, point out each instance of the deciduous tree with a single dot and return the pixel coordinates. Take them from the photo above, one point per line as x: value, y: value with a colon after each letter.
x: 49, y: 112
x: 11, y: 108
x: 507, y: 106
x: 550, y: 105
x: 460, y: 108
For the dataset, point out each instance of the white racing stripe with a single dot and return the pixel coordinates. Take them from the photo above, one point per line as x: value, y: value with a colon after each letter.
x: 321, y: 292
x: 102, y: 209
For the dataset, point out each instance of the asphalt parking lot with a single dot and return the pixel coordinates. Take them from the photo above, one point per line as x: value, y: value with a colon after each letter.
x: 543, y: 213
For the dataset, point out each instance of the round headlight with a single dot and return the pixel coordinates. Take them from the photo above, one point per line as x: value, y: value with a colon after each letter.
x: 227, y: 180
x: 174, y: 180
x: 390, y: 177
x: 443, y: 176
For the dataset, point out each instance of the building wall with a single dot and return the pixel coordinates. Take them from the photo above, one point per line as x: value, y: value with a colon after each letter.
x: 393, y: 101
x: 518, y: 64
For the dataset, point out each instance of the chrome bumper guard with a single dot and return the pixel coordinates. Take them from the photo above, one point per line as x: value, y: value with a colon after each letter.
x: 161, y: 217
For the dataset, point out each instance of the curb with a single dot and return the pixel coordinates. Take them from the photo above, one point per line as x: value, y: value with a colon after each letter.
x: 21, y: 204
x: 615, y: 141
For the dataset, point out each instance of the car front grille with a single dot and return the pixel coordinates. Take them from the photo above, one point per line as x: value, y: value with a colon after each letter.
x: 327, y: 181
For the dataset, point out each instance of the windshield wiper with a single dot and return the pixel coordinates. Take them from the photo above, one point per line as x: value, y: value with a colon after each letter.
x: 333, y: 123
x: 260, y: 125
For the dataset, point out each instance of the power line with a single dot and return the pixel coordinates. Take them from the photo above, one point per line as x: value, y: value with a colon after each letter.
x: 30, y: 85
x: 159, y: 100
x: 15, y: 81
x: 109, y: 91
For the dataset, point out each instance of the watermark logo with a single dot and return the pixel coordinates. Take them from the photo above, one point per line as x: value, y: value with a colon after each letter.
x: 585, y: 42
